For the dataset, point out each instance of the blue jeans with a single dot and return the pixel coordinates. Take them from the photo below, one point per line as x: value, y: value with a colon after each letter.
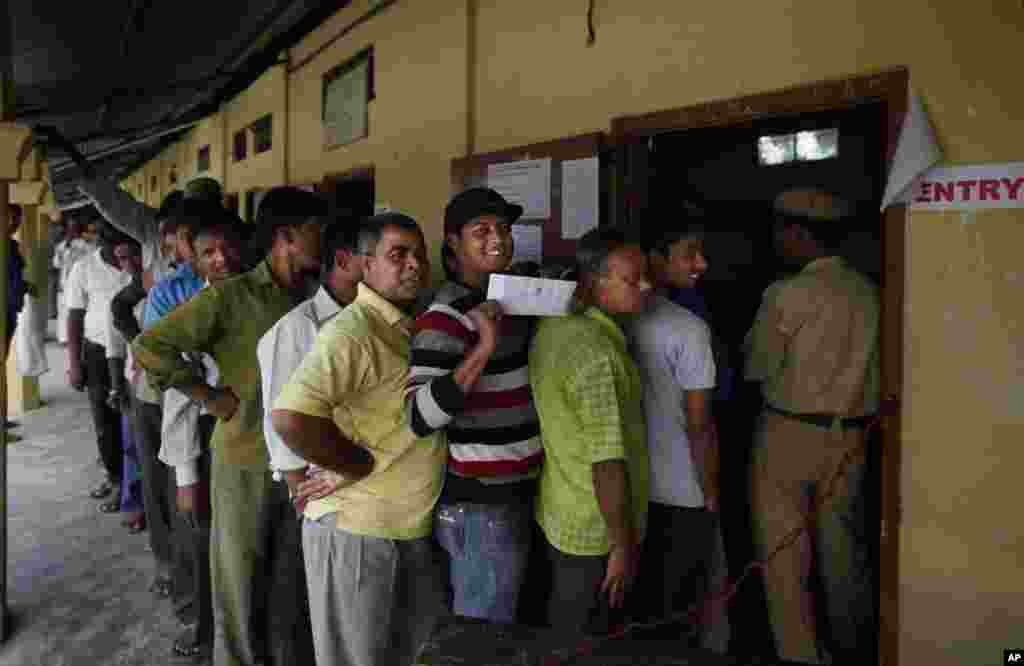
x: 489, y: 546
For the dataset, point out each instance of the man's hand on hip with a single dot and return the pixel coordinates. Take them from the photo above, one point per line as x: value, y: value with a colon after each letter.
x: 223, y: 404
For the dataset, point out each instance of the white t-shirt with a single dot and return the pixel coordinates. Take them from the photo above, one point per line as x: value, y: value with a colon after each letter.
x: 92, y: 285
x: 672, y: 348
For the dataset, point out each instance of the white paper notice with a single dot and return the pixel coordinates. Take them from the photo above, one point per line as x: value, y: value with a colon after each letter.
x: 916, y: 151
x: 534, y: 297
x: 970, y: 187
x: 580, y: 196
x: 527, y: 183
x: 528, y: 241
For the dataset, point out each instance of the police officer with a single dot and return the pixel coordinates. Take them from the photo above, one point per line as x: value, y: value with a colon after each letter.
x: 814, y: 348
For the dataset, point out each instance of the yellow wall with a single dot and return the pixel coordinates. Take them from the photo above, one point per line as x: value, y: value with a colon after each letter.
x: 959, y: 569
x: 536, y: 79
x: 417, y: 121
x: 267, y: 169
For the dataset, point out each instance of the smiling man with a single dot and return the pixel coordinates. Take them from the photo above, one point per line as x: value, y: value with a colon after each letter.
x: 672, y: 347
x: 374, y: 584
x: 226, y: 321
x: 469, y: 379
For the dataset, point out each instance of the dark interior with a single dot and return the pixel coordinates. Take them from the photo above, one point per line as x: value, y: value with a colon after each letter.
x: 717, y: 171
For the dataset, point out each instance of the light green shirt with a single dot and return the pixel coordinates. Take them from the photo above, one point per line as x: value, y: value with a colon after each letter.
x: 225, y: 321
x: 356, y: 375
x: 589, y: 398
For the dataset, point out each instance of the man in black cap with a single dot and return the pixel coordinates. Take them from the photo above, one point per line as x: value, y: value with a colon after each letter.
x: 469, y: 378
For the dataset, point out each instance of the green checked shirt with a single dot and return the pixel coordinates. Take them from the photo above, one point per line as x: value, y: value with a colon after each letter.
x: 588, y: 395
x: 225, y: 321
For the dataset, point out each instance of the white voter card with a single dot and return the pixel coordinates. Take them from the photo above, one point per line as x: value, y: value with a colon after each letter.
x: 529, y: 296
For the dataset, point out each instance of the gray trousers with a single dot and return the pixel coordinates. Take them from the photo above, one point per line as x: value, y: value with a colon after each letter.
x: 373, y: 602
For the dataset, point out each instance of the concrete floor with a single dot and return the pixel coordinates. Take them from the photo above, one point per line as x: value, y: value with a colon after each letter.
x: 77, y: 580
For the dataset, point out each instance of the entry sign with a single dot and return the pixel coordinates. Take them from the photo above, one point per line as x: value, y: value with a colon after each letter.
x: 970, y: 188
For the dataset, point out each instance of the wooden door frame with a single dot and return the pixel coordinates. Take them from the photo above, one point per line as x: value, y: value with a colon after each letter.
x: 890, y: 87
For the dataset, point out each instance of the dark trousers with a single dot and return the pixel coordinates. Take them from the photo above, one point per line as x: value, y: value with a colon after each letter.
x: 107, y: 421
x: 158, y: 486
x: 576, y: 604
x: 289, y: 631
x: 673, y: 561
x: 197, y: 545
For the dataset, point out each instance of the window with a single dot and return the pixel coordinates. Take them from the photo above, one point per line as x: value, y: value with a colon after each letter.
x: 263, y: 134
x: 804, y: 146
x: 152, y: 184
x: 240, y: 146
x: 203, y: 159
x: 172, y: 176
x: 347, y: 92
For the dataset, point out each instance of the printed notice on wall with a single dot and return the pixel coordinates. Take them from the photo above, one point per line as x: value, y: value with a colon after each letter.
x: 970, y: 187
x: 527, y: 183
x: 528, y: 241
x: 531, y: 297
x: 580, y: 196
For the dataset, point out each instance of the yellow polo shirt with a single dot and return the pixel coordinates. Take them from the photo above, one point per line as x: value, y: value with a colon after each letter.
x: 356, y: 375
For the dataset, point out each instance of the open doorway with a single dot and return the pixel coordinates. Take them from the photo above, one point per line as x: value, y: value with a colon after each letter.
x: 733, y: 175
x: 730, y: 159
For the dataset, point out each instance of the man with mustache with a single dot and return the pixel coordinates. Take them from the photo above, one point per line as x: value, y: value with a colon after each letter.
x: 374, y: 581
x: 226, y: 321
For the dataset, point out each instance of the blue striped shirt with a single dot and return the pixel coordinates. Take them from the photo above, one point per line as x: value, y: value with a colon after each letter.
x: 169, y: 293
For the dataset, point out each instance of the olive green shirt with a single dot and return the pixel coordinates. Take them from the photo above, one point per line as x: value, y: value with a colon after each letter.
x: 588, y: 394
x: 225, y: 321
x: 814, y: 344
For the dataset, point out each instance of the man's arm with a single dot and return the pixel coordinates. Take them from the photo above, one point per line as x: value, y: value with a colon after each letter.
x: 122, y: 309
x: 780, y: 315
x: 442, y: 371
x: 118, y: 207
x: 76, y: 331
x: 122, y: 210
x: 77, y: 299
x: 602, y: 423
x: 692, y: 361
x: 192, y: 327
x: 319, y: 441
x: 703, y: 443
x: 335, y: 369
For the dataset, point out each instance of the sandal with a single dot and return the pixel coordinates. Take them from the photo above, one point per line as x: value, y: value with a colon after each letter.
x: 136, y: 526
x: 113, y: 506
x: 162, y: 587
x: 102, y: 490
x: 187, y: 645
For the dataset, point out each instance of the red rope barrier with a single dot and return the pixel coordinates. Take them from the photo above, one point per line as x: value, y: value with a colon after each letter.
x: 702, y: 611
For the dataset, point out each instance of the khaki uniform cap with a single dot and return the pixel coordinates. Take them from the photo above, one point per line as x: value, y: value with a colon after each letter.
x: 813, y: 205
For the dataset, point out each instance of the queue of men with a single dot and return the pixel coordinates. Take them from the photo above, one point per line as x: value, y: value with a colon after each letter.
x: 327, y: 470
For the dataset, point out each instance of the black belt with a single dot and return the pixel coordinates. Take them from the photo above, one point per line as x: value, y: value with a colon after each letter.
x: 823, y: 420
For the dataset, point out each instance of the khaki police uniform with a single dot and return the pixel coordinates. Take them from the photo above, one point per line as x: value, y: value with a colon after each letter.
x: 814, y: 348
